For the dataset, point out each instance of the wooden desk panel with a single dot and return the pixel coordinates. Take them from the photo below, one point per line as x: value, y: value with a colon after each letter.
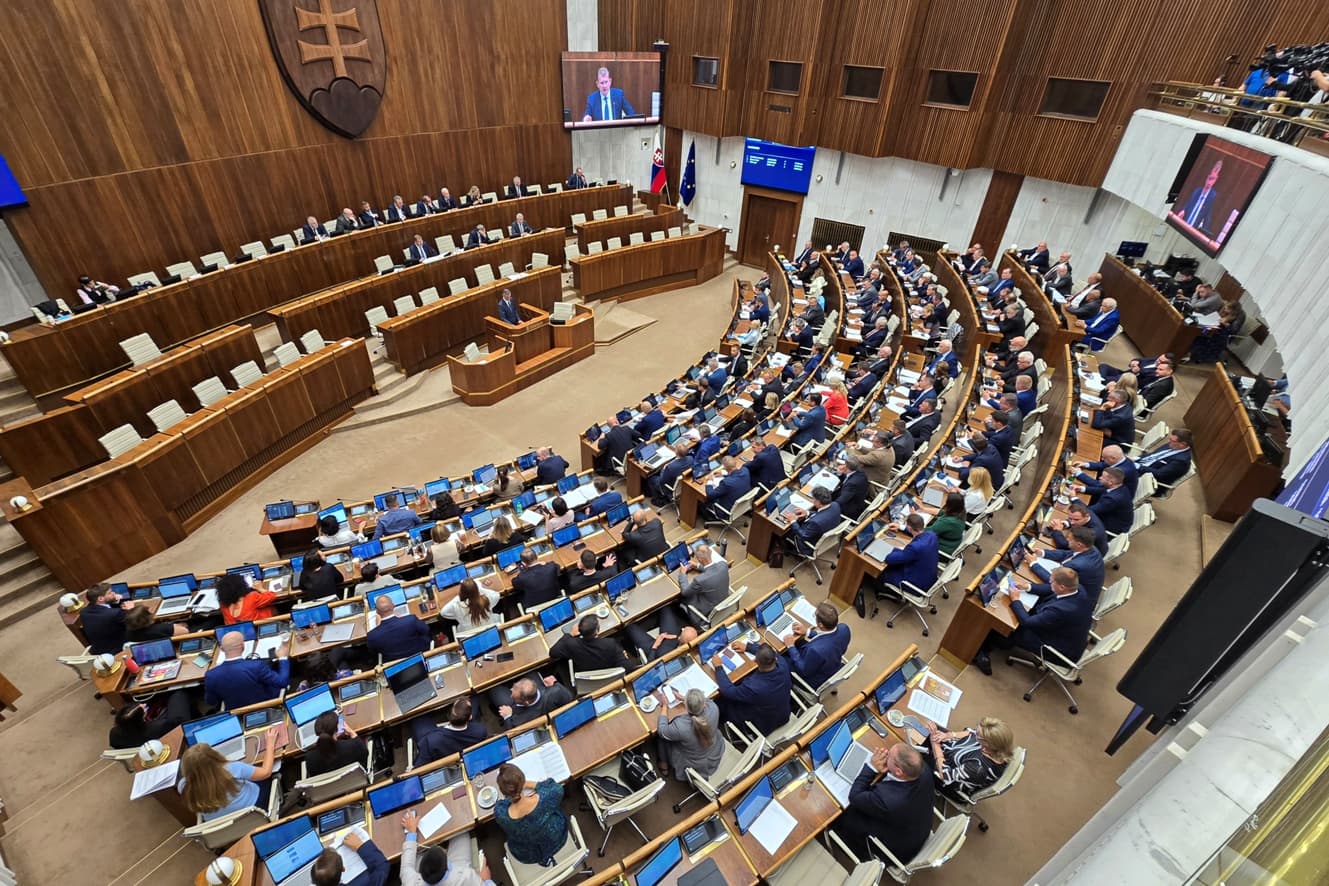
x: 1146, y: 316
x: 530, y: 338
x: 322, y: 381
x: 45, y: 447
x: 291, y: 406
x: 623, y: 227
x: 634, y: 271
x: 1227, y: 452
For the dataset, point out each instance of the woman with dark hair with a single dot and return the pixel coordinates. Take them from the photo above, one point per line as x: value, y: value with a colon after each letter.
x: 240, y: 602
x: 322, y: 667
x: 331, y: 535
x: 318, y: 579
x: 140, y: 628
x: 691, y: 740
x: 473, y: 609
x: 560, y: 515
x: 746, y: 421
x: 444, y: 508
x: 950, y: 523
x: 213, y: 787
x: 139, y: 722
x: 530, y: 816
x: 337, y: 746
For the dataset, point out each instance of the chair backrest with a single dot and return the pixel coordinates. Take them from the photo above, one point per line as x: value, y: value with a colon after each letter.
x: 941, y: 846
x: 674, y: 232
x: 539, y: 260
x: 571, y: 251
x: 285, y: 241
x: 322, y: 787
x: 620, y: 211
x: 124, y: 756
x: 614, y: 243
x: 578, y: 218
x: 312, y: 341
x: 846, y: 671
x: 383, y: 264
x: 246, y: 374
x: 594, y: 247
x: 219, y: 833
x: 506, y: 269
x: 1107, y: 645
x: 145, y: 277
x: 458, y: 286
x: 556, y: 187
x: 471, y: 351
x: 728, y: 606
x: 217, y: 259
x: 636, y: 237
x: 120, y: 440
x: 182, y: 269
x: 286, y: 353
x: 1007, y: 780
x: 535, y: 189
x: 140, y: 348
x: 445, y: 244
x: 495, y: 235
x: 489, y: 196
x: 865, y: 873
x: 660, y: 235
x: 598, y: 214
x: 1147, y: 486
x: 691, y: 227
x: 1113, y: 596
x: 428, y: 295
x: 1144, y: 517
x: 795, y: 727
x: 376, y: 315
x: 623, y: 809
x: 562, y: 311
x: 330, y: 227
x: 403, y: 304
x: 209, y: 391
x: 589, y: 681
x: 167, y: 415
x: 1117, y: 546
x: 1154, y: 436
x: 255, y: 249
x: 484, y: 274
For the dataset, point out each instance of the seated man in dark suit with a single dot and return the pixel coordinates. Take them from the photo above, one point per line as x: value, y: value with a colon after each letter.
x: 446, y: 201
x: 420, y: 250
x: 1115, y: 419
x: 397, y: 211
x: 549, y: 467
x: 815, y: 655
x: 514, y: 190
x: 104, y: 620
x: 862, y: 386
x: 652, y: 419
x: 762, y: 698
x: 529, y: 699
x: 478, y: 237
x: 424, y: 206
x: 368, y: 217
x: 660, y: 485
x: 1081, y: 556
x: 766, y: 467
x: 1169, y: 461
x: 238, y: 681
x: 1078, y: 515
x: 1024, y: 365
x: 1036, y: 257
x: 916, y: 562
x: 1161, y: 387
x: 891, y: 799
x: 800, y: 333
x: 925, y: 425
x: 536, y: 583
x: 644, y: 537
x: 434, y: 741
x: 853, y: 265
x: 605, y: 498
x: 1089, y: 478
x: 923, y: 389
x: 519, y: 226
x: 902, y: 443
x: 736, y: 483
x: 1000, y: 436
x: 1114, y: 506
x: 1060, y: 619
x: 810, y: 424
x: 614, y: 446
x: 853, y: 492
x: 576, y: 181
x: 397, y: 636
x: 984, y: 455
x: 589, y: 574
x: 1011, y: 325
x: 507, y: 309
x: 587, y: 650
x: 312, y: 231
x: 812, y: 525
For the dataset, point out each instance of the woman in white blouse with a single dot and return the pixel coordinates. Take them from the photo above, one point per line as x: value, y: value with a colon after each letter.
x: 331, y: 535
x: 560, y: 515
x: 473, y: 609
x: 443, y: 547
x: 979, y: 493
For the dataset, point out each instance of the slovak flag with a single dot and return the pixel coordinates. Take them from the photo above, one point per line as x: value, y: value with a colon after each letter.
x: 657, y: 167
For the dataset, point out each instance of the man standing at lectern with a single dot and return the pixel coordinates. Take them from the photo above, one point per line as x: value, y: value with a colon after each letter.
x: 507, y: 309
x: 606, y: 103
x: 1199, y: 207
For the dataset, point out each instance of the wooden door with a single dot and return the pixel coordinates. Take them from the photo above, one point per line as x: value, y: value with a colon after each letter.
x: 770, y: 218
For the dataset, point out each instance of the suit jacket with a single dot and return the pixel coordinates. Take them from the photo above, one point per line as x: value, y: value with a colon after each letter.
x: 104, y: 628
x: 436, y: 742
x: 475, y: 238
x: 898, y: 813
x: 1118, y: 424
x: 616, y: 444
x: 649, y: 424
x: 1026, y: 401
x: 309, y: 234
x: 810, y: 427
x: 377, y: 866
x: 852, y: 496
x: 1166, y: 464
x: 1095, y: 487
x: 991, y: 459
x: 1199, y: 208
x: 370, y: 219
x: 516, y: 229
x: 510, y: 192
x: 537, y: 583
x: 422, y: 251
x: 346, y: 225
x: 619, y: 106
x: 915, y: 563
x: 809, y: 530
x: 1100, y: 328
x: 730, y: 488
x: 395, y: 213
x: 951, y: 363
x: 767, y: 468
x: 917, y: 397
x: 1060, y: 622
x: 1100, y: 536
x: 1002, y: 441
x: 1060, y: 284
x: 996, y: 289
x: 575, y: 182
x: 878, y: 464
x: 551, y: 470
x: 854, y: 268
x: 644, y: 543
x: 423, y: 207
x: 245, y: 681
x: 399, y: 637
x: 903, y: 448
x: 443, y: 204
x: 580, y: 581
x: 1115, y: 509
x: 669, y: 474
x: 863, y: 386
x: 708, y: 588
x: 551, y: 698
x: 1039, y: 258
x: 589, y: 653
x: 508, y: 313
x: 1155, y: 392
x: 923, y: 427
x: 760, y: 698
x: 817, y: 658
x: 1088, y: 565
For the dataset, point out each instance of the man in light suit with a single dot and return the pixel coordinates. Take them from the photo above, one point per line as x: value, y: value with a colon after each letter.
x: 420, y: 250
x: 1061, y: 619
x: 704, y: 580
x: 507, y: 309
x: 1169, y: 461
x: 576, y: 181
x: 519, y: 226
x: 397, y: 211
x: 812, y: 525
x: 984, y: 277
x: 815, y: 654
x: 1198, y: 209
x: 368, y: 217
x: 606, y: 103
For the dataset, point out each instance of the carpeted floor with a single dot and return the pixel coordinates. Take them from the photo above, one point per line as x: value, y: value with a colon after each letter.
x: 52, y: 781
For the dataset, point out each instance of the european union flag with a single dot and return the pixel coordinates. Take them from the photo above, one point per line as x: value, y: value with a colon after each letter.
x: 687, y: 189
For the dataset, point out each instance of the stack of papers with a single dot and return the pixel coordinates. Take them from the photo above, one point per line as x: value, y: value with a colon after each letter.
x: 693, y: 678
x: 773, y: 826
x: 353, y: 865
x: 149, y: 781
x: 433, y: 820
x: 532, y: 517
x: 834, y: 784
x: 544, y: 761
x: 804, y: 610
x: 935, y: 699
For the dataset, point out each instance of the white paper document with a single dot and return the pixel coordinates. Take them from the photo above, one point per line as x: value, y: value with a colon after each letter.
x: 693, y: 677
x: 337, y: 633
x: 933, y: 709
x: 433, y: 820
x: 532, y: 517
x: 773, y: 826
x: 545, y: 761
x: 804, y: 610
x: 149, y: 781
x: 353, y: 865
x: 837, y: 786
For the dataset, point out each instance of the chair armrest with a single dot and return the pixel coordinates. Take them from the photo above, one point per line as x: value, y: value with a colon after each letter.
x: 1063, y: 659
x: 834, y: 838
x: 886, y: 854
x: 695, y: 614
x: 800, y: 683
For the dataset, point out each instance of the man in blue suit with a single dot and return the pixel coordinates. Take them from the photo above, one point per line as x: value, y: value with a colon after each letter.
x: 606, y: 103
x: 1198, y: 209
x: 659, y: 484
x: 732, y: 486
x: 810, y: 424
x: 716, y: 375
x: 1083, y: 557
x: 507, y: 309
x: 1025, y: 396
x: 853, y: 265
x: 923, y: 389
x: 1060, y: 619
x: 946, y: 361
x: 985, y: 455
x: 1115, y: 419
x: 312, y: 231
x: 397, y: 211
x: 1001, y: 437
x: 240, y: 681
x: 652, y: 419
x: 861, y: 387
x: 420, y: 250
x: 916, y: 562
x: 1170, y: 461
x: 396, y: 636
x: 549, y: 467
x: 763, y: 697
x: 1102, y: 325
x: 605, y: 499
x: 816, y: 654
x: 1113, y: 457
x: 766, y: 467
x: 812, y: 525
x: 800, y: 333
x: 1114, y: 506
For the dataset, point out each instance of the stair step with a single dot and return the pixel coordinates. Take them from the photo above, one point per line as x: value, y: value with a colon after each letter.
x: 20, y: 607
x: 23, y: 581
x: 18, y: 558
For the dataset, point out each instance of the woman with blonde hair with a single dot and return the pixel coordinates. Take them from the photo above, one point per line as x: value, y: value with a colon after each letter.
x: 836, y: 403
x: 691, y: 740
x: 973, y: 758
x: 530, y: 816
x: 505, y: 535
x: 1128, y: 384
x: 443, y: 549
x: 979, y: 493
x: 213, y: 786
x: 473, y: 609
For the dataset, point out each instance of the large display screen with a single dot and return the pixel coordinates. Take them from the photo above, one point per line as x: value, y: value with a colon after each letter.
x: 611, y: 89
x: 1222, y: 180
x: 773, y: 165
x: 10, y: 193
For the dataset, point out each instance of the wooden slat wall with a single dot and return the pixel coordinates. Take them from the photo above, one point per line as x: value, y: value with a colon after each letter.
x: 152, y: 132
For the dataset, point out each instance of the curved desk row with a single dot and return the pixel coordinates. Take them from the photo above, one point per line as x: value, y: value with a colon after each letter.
x: 623, y: 227
x: 647, y: 268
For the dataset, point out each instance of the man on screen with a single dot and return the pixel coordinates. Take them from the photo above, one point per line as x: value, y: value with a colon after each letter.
x: 606, y: 103
x: 1200, y: 205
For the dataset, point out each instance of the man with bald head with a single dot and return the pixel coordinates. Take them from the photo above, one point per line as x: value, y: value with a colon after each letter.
x: 704, y: 579
x: 397, y: 636
x: 1089, y: 476
x: 1093, y: 289
x: 1102, y: 326
x: 891, y: 800
x: 238, y: 681
x: 549, y: 467
x: 1057, y: 282
x: 529, y: 699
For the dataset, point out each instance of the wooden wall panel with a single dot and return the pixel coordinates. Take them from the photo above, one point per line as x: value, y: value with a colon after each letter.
x: 631, y: 26
x: 1003, y: 189
x: 854, y: 125
x: 697, y: 27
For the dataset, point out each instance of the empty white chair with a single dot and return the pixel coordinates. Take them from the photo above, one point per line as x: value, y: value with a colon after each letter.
x: 692, y: 227
x: 570, y: 252
x: 81, y: 665
x: 490, y: 196
x: 140, y: 349
x: 209, y: 391
x: 506, y: 269
x: 538, y: 260
x: 145, y: 278
x: 120, y: 440
x: 535, y: 189
x: 471, y: 352
x: 495, y: 235
x: 383, y: 264
x: 674, y: 232
x: 286, y: 353
x: 1063, y: 671
x: 330, y: 227
x: 376, y: 315
x: 445, y: 244
x: 216, y: 259
x: 1144, y: 517
x: 246, y: 374
x: 657, y: 235
x: 636, y: 237
x: 578, y: 218
x: 457, y: 286
x: 327, y: 785
x: 167, y: 415
x: 614, y: 243
x: 1148, y: 485
x: 587, y: 682
x: 794, y: 729
x: 556, y: 187
x: 312, y: 341
x: 182, y: 269
x: 254, y: 250
x: 403, y: 305
x: 428, y: 296
x: 124, y: 756
x: 484, y: 274
x: 599, y: 214
x: 285, y: 241
x: 812, y: 693
x: 620, y: 211
x: 593, y: 248
x: 562, y: 312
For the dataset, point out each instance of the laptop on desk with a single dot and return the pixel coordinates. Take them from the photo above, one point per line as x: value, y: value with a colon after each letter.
x: 304, y: 708
x: 410, y: 683
x: 847, y: 756
x: 772, y: 616
x: 176, y: 597
x: 291, y: 862
x: 225, y: 736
